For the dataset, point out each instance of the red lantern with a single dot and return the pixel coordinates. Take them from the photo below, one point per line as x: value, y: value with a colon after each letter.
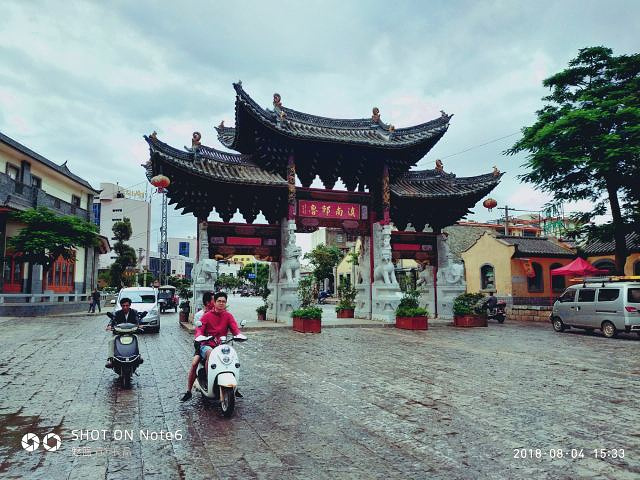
x: 161, y: 182
x: 489, y: 203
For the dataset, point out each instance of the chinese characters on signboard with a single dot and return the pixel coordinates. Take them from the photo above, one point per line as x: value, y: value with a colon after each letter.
x: 323, y: 209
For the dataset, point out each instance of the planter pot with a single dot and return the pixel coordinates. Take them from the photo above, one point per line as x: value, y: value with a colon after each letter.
x: 469, y: 321
x: 262, y: 317
x: 306, y: 325
x: 412, y: 323
x: 345, y: 313
x: 183, y: 317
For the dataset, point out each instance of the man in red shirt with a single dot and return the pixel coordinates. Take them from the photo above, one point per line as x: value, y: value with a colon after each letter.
x: 215, y: 322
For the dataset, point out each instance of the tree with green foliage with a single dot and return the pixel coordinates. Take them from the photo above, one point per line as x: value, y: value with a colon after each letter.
x: 324, y: 259
x: 126, y: 255
x: 183, y: 285
x: 228, y: 281
x: 585, y: 144
x: 47, y: 236
x: 262, y: 277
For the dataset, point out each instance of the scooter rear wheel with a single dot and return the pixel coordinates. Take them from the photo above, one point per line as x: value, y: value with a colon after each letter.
x: 227, y: 401
x: 125, y: 378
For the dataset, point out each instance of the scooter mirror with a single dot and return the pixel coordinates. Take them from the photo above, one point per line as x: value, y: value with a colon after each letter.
x: 113, y: 301
x: 243, y: 323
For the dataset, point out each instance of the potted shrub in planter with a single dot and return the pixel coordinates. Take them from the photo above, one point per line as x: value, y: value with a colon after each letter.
x: 464, y: 312
x: 409, y: 315
x: 262, y: 309
x: 347, y: 301
x: 307, y: 318
x: 185, y: 309
x: 262, y: 313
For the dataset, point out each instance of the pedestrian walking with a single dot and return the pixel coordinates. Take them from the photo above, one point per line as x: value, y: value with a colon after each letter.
x: 95, y: 301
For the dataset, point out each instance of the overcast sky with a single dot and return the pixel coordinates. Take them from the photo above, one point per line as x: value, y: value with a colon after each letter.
x: 83, y: 81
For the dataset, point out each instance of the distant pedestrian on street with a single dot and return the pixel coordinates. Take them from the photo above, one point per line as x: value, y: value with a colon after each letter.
x: 95, y: 301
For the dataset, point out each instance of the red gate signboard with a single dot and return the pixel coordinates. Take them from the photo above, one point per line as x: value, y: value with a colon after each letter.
x: 228, y: 239
x: 322, y: 208
x: 418, y: 246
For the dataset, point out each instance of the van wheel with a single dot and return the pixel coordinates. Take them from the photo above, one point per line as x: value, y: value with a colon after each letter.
x: 558, y: 326
x: 609, y: 329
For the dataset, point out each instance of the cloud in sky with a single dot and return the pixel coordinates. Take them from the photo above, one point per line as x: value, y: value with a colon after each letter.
x: 83, y: 81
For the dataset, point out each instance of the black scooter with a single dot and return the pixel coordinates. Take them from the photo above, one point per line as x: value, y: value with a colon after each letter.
x: 499, y: 312
x: 126, y: 354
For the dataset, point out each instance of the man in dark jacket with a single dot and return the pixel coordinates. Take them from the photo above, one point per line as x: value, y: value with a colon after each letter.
x: 125, y: 315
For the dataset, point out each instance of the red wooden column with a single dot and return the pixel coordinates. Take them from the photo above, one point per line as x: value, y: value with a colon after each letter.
x: 291, y: 180
x: 386, y: 196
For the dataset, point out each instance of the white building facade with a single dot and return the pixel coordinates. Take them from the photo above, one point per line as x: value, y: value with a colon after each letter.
x: 116, y: 203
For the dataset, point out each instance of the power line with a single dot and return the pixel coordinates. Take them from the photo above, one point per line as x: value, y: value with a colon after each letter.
x: 480, y: 145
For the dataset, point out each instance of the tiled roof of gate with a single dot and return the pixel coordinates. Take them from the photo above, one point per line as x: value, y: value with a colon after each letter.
x: 434, y: 184
x: 214, y: 164
x: 537, y: 246
x: 606, y: 248
x: 361, y: 131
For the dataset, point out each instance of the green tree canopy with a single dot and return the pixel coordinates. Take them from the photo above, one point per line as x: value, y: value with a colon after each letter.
x: 585, y: 144
x: 47, y: 235
x: 324, y: 259
x: 126, y: 255
x: 262, y: 276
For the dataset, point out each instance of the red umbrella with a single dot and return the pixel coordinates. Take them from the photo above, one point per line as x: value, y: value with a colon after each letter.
x: 578, y: 267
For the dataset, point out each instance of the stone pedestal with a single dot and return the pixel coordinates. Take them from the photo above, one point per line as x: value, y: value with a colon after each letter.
x: 287, y: 302
x: 446, y: 296
x: 386, y: 299
x: 427, y: 299
x: 363, y: 301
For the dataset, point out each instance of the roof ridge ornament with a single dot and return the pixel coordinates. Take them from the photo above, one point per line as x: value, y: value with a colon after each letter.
x: 375, y: 117
x: 278, y: 107
x: 154, y: 135
x: 496, y: 172
x: 195, y: 140
x: 439, y: 166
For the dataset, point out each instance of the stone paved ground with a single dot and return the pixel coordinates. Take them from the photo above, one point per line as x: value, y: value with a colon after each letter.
x: 349, y: 403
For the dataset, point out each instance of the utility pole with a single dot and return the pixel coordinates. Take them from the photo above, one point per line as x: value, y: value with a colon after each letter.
x: 506, y: 220
x: 163, y: 240
x: 140, y: 249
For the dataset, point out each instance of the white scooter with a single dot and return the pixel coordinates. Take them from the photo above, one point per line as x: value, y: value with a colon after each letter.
x: 219, y: 379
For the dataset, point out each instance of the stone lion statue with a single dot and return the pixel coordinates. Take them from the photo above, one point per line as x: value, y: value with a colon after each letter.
x: 425, y: 277
x: 205, y: 271
x: 384, y: 272
x: 290, y: 268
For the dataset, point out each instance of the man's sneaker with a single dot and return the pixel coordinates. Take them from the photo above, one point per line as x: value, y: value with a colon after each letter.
x: 108, y: 365
x: 186, y: 396
x: 238, y: 394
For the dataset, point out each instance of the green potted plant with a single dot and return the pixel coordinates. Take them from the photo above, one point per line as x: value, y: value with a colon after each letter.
x: 464, y: 312
x: 262, y: 309
x: 346, y: 301
x: 409, y: 314
x: 306, y: 318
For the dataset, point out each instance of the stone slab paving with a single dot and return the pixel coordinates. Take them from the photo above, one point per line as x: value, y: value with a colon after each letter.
x: 348, y: 403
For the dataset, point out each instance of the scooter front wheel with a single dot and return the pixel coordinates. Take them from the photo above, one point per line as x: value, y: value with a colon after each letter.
x: 227, y: 401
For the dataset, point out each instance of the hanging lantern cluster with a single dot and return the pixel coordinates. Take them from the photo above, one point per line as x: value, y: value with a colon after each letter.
x: 161, y: 182
x: 489, y: 204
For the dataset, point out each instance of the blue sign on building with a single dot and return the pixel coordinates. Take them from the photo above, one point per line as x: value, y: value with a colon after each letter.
x: 183, y: 249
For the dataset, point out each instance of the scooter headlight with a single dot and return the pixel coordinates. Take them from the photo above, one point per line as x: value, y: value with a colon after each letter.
x: 226, y: 360
x: 225, y: 350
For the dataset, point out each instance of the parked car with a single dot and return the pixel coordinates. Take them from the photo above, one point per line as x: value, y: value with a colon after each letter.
x: 143, y: 299
x: 610, y: 304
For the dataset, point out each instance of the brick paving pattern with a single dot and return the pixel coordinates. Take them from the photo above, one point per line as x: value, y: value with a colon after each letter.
x: 353, y: 403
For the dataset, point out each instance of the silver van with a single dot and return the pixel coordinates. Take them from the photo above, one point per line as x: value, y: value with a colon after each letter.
x: 611, y: 304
